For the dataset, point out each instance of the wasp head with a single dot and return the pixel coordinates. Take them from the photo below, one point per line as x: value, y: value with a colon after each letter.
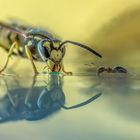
x: 51, y: 50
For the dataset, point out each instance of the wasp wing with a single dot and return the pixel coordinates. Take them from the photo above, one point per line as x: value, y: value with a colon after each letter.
x: 35, y: 30
x: 13, y: 29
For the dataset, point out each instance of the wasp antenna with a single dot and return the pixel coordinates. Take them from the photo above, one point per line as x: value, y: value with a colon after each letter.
x: 83, y: 103
x: 80, y: 45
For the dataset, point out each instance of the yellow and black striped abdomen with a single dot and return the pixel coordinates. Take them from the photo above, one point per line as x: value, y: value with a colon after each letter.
x: 7, y: 38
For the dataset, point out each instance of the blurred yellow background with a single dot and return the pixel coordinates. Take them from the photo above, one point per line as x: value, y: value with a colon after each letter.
x: 74, y: 19
x: 97, y: 23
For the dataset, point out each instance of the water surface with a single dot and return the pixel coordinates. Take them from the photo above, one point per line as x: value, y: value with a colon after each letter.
x: 82, y: 106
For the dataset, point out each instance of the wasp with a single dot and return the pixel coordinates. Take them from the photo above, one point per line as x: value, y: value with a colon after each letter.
x: 36, y: 44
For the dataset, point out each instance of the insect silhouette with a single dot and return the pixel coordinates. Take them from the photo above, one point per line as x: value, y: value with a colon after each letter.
x: 36, y: 44
x: 36, y: 102
x: 117, y: 69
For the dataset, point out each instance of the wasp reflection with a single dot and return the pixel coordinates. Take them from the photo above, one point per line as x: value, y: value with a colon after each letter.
x: 36, y: 102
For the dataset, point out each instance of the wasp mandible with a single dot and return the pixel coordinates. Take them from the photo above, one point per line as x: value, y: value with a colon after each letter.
x: 37, y: 45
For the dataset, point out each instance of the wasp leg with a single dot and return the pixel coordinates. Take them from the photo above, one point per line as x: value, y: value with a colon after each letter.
x: 11, y: 51
x: 63, y: 69
x: 4, y: 47
x: 48, y: 68
x: 9, y: 94
x: 29, y: 55
x: 18, y: 49
x: 30, y: 91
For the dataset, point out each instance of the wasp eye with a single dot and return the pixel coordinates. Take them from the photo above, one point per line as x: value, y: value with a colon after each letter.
x: 44, y: 49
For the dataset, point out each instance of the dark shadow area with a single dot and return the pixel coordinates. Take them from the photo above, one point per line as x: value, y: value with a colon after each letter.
x: 36, y: 102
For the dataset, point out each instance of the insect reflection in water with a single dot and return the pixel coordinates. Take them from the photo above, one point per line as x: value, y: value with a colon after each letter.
x: 37, y: 102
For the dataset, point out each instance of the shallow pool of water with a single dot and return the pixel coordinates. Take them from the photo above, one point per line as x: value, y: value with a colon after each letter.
x: 78, y: 107
x: 83, y: 106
